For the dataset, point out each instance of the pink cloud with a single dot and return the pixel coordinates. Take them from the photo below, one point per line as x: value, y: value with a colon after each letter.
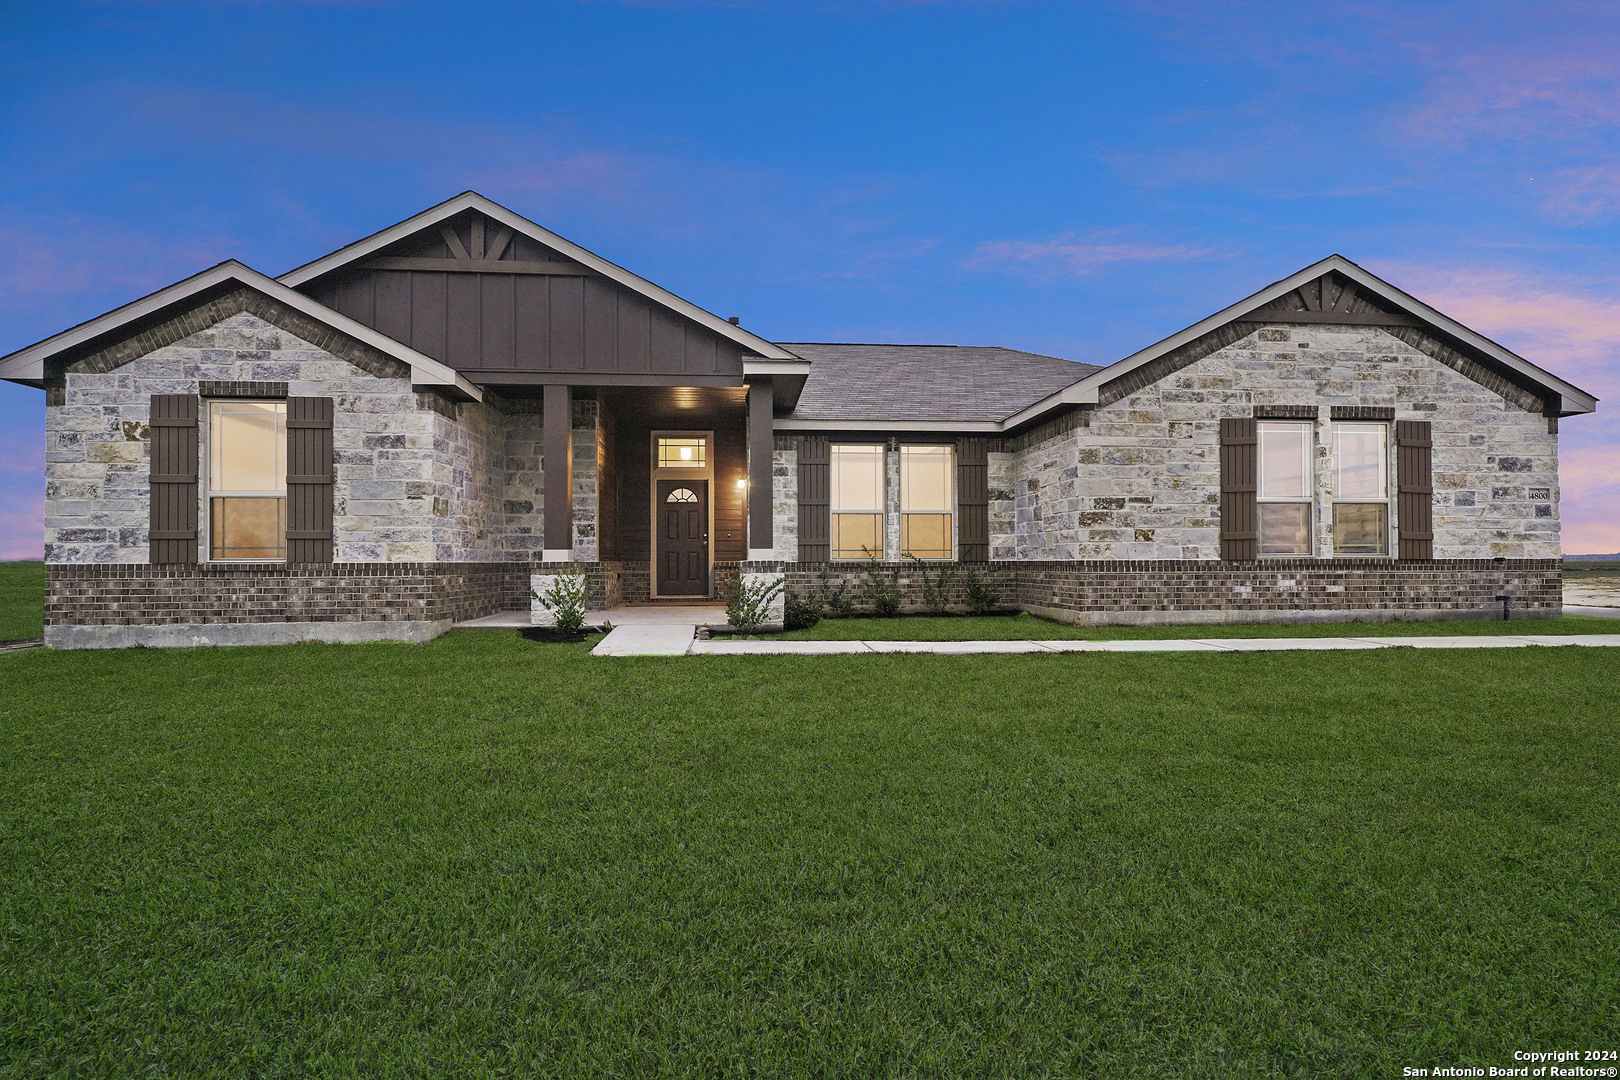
x: 1073, y: 255
x: 1572, y: 329
x: 45, y: 256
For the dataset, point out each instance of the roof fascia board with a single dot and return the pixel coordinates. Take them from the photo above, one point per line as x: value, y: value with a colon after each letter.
x: 762, y: 366
x: 29, y: 363
x: 471, y: 200
x: 973, y: 426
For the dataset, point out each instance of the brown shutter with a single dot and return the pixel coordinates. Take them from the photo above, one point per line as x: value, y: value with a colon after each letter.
x: 815, y: 501
x: 309, y: 480
x: 1240, y: 485
x: 1414, y: 479
x: 973, y: 500
x: 173, y: 522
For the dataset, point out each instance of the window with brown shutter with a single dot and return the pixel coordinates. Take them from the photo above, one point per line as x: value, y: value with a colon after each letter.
x: 1414, y: 480
x: 173, y: 520
x: 973, y: 500
x: 309, y: 480
x: 815, y: 504
x: 1240, y: 507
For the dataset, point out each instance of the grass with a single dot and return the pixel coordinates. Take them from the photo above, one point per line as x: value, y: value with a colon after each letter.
x: 488, y: 857
x: 22, y: 600
x: 1026, y: 626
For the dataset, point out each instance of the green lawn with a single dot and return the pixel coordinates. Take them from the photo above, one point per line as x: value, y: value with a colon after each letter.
x: 491, y: 857
x: 1026, y: 626
x: 22, y: 600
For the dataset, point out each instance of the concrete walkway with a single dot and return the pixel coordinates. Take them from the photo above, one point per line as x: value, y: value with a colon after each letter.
x: 711, y: 615
x: 680, y: 640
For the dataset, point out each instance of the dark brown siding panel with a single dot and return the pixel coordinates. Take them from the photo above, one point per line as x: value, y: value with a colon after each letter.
x: 173, y: 519
x: 463, y: 348
x: 567, y: 324
x: 533, y: 318
x: 730, y: 515
x: 496, y: 321
x: 635, y: 335
x: 973, y: 500
x: 668, y: 344
x: 700, y: 357
x: 427, y: 314
x: 1240, y: 484
x: 815, y: 502
x: 1414, y: 479
x: 393, y: 305
x: 601, y: 341
x: 309, y: 480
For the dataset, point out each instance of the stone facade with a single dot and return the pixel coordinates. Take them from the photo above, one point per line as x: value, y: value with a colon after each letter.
x: 1139, y: 479
x: 785, y: 504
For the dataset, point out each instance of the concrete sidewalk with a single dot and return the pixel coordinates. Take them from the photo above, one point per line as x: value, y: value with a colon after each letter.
x: 680, y: 640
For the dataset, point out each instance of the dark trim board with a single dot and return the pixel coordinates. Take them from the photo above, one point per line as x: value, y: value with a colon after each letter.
x: 497, y: 377
x: 486, y: 266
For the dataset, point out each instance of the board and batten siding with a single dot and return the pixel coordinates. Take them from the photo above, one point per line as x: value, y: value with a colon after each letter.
x: 486, y: 322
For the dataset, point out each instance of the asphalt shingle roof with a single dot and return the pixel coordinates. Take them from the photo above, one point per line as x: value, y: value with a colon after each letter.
x: 926, y: 382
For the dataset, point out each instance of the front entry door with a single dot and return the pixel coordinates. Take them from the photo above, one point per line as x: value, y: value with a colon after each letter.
x: 683, y: 538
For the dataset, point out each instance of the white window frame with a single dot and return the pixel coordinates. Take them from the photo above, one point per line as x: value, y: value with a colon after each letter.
x: 205, y: 447
x: 1383, y: 482
x: 950, y: 511
x: 880, y: 451
x: 1308, y: 500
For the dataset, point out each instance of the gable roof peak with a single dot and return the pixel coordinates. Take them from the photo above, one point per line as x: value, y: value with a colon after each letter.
x: 472, y: 200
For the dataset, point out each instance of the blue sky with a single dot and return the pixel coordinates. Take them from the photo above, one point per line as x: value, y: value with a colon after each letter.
x: 1076, y: 179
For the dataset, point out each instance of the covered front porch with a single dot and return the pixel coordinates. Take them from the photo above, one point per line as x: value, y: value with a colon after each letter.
x: 662, y: 493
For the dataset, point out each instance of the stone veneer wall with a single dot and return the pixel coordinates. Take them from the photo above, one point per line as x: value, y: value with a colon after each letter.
x: 785, y: 503
x: 410, y: 469
x: 1176, y: 591
x: 1139, y: 478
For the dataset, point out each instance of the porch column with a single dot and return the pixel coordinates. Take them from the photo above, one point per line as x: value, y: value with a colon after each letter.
x: 761, y: 441
x: 557, y: 470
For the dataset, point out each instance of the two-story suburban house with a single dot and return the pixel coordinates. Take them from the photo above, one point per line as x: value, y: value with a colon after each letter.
x: 398, y: 435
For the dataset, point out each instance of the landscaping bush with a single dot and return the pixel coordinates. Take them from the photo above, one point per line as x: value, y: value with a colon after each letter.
x: 981, y: 598
x: 566, y: 600
x: 800, y: 614
x: 748, y: 605
x: 936, y: 586
x: 836, y: 603
x: 882, y: 591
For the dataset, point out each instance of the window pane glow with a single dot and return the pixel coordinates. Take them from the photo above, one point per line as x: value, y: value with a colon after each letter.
x: 248, y: 528
x: 1359, y: 461
x: 1360, y: 528
x: 247, y: 446
x: 857, y: 536
x: 927, y: 536
x: 1285, y: 463
x: 683, y: 453
x: 925, y: 478
x: 857, y: 479
x: 1285, y: 528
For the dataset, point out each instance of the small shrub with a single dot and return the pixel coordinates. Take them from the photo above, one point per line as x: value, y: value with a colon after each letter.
x: 981, y: 598
x: 837, y: 603
x: 748, y: 605
x: 565, y: 599
x: 936, y: 586
x: 881, y: 589
x: 800, y: 614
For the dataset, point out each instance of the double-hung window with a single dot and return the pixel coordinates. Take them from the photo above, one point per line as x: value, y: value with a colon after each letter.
x: 1285, y: 487
x: 1360, y: 489
x: 247, y: 479
x: 857, y: 501
x: 927, y: 498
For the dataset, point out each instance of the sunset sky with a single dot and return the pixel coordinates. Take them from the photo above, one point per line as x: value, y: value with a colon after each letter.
x: 1073, y: 179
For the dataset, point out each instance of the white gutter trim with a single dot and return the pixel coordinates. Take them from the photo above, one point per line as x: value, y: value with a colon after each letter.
x: 762, y: 366
x: 29, y: 363
x: 988, y: 426
x: 471, y: 200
